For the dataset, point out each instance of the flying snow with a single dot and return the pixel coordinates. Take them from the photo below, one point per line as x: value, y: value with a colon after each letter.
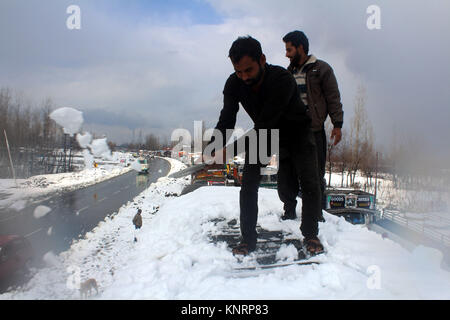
x: 68, y: 118
x: 41, y: 211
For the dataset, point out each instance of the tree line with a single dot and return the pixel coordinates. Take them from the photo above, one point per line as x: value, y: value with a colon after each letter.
x: 36, y: 141
x: 403, y: 160
x: 27, y: 125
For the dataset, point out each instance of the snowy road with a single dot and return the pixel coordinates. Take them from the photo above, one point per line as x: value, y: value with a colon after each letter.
x: 52, y: 224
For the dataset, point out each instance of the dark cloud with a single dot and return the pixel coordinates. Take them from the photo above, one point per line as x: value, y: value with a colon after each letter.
x: 105, y: 117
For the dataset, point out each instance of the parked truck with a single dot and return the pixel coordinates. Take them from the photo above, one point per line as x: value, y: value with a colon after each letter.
x: 356, y: 206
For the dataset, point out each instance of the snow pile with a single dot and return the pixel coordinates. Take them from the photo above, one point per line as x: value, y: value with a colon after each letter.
x: 174, y: 258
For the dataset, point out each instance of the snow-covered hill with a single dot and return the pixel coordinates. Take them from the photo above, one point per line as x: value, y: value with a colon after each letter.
x: 174, y: 258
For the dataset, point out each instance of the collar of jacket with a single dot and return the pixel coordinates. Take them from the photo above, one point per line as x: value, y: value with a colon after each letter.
x: 311, y: 60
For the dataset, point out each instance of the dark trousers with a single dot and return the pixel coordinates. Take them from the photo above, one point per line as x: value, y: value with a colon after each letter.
x: 298, y: 167
x: 321, y: 143
x: 248, y: 201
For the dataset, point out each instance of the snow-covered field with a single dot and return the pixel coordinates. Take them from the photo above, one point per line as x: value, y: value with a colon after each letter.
x: 423, y: 211
x: 408, y: 200
x: 174, y: 259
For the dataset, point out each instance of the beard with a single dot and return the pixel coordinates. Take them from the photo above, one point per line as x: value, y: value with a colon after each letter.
x: 295, y: 61
x: 251, y: 82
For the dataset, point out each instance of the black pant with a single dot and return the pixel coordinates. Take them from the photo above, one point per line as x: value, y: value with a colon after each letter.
x: 300, y: 160
x: 321, y: 143
x: 298, y: 167
x: 248, y: 201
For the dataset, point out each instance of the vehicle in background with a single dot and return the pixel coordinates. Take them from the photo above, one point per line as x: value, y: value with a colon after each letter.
x: 16, y: 255
x: 143, y: 162
x: 210, y: 177
x: 356, y: 206
x: 268, y: 175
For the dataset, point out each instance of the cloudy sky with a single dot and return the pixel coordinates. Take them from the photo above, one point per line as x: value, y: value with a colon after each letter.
x: 154, y: 65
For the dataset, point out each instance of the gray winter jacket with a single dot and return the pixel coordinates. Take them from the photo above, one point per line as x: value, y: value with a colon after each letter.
x: 323, y: 94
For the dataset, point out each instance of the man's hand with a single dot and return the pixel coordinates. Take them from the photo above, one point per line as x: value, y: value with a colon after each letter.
x: 336, y: 134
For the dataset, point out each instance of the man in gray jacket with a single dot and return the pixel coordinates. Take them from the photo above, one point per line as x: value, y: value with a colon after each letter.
x: 319, y: 92
x: 137, y: 222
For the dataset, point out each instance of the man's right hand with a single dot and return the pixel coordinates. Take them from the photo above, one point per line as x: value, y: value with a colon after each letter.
x: 336, y: 135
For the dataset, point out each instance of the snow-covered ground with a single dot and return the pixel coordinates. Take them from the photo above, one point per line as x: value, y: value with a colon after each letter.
x: 423, y: 211
x: 412, y: 199
x: 15, y: 195
x: 174, y: 258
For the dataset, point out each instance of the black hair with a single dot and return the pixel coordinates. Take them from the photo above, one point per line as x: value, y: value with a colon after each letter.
x: 245, y: 46
x: 297, y: 38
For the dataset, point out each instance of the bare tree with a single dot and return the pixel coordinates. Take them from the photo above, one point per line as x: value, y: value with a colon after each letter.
x: 361, y: 135
x: 368, y: 158
x: 340, y: 155
x: 152, y: 142
x: 49, y: 126
x: 5, y: 102
x: 31, y: 132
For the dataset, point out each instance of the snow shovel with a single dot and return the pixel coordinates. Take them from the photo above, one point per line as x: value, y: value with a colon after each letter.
x: 201, y: 166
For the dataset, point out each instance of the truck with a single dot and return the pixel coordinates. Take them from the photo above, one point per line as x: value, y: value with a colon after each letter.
x: 356, y: 206
x: 143, y: 162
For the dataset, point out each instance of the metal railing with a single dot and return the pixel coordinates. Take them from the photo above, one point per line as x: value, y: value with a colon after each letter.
x: 419, y: 225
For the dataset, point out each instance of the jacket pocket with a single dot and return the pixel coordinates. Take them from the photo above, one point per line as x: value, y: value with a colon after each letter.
x: 316, y: 119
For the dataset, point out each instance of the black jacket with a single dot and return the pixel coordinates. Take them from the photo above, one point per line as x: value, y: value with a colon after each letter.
x: 276, y: 105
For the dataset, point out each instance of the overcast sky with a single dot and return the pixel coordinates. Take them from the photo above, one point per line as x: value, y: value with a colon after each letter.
x: 159, y: 65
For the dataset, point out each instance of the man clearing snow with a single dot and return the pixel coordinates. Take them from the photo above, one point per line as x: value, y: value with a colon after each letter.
x: 270, y: 96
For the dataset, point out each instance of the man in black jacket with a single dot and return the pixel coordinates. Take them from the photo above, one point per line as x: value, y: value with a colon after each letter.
x: 270, y: 96
x: 320, y: 93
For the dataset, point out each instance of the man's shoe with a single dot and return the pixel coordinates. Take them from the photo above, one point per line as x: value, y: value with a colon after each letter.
x: 288, y: 217
x: 321, y: 218
x: 243, y: 249
x: 313, y: 246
